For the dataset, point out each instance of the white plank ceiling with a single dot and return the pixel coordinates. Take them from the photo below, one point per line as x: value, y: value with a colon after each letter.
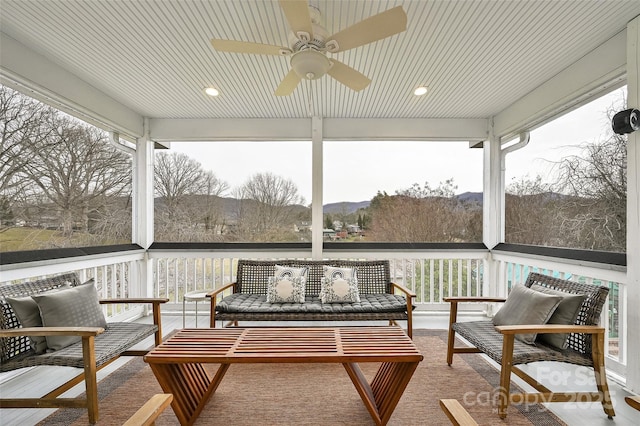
x: 477, y: 57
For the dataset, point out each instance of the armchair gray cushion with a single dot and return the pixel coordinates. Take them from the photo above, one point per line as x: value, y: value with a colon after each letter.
x: 526, y: 307
x: 74, y: 307
x: 565, y: 313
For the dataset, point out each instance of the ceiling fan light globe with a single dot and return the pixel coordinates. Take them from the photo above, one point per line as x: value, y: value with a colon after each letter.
x: 310, y: 64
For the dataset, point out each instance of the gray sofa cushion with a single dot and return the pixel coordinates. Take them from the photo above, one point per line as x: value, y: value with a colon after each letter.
x: 256, y: 303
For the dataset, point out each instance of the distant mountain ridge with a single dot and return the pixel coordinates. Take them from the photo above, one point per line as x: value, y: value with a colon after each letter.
x: 348, y: 207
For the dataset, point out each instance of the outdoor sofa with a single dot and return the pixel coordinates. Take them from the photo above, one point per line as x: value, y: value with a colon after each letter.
x: 247, y: 298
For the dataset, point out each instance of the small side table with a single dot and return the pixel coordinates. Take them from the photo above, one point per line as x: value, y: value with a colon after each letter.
x: 193, y: 296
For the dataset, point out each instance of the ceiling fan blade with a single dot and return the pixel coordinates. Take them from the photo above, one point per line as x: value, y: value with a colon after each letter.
x: 288, y: 84
x: 236, y: 46
x: 374, y: 28
x: 297, y: 14
x: 348, y: 76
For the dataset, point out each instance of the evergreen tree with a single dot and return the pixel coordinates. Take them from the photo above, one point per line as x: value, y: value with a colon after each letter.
x: 328, y: 221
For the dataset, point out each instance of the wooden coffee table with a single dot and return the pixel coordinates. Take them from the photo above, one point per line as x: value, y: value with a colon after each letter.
x: 178, y: 363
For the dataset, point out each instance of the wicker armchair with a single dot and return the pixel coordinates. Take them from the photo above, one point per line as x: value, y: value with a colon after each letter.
x: 97, y: 348
x: 585, y: 345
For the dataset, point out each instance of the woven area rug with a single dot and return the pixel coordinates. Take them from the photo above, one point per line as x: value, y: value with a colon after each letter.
x: 315, y: 394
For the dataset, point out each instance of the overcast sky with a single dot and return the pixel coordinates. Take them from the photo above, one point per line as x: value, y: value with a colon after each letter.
x: 356, y: 171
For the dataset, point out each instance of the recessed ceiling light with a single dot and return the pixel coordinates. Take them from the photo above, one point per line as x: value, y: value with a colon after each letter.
x: 211, y: 91
x: 420, y: 91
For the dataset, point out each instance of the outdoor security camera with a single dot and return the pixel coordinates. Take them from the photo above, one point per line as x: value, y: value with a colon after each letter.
x: 626, y: 121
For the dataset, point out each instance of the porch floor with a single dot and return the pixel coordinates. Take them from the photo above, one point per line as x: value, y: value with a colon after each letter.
x: 37, y: 381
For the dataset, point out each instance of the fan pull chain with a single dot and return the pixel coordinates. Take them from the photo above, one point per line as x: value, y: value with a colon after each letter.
x: 309, y: 99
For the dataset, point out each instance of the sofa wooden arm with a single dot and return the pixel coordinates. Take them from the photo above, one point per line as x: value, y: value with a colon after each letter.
x: 213, y: 296
x: 549, y: 329
x: 408, y: 293
x: 52, y: 331
x: 409, y: 296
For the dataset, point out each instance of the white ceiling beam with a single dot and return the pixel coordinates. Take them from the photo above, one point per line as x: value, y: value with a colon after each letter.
x: 434, y: 129
x: 333, y: 129
x: 230, y: 129
x: 34, y: 75
x: 601, y: 70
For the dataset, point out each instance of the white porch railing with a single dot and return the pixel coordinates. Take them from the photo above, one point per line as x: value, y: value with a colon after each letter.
x: 431, y: 274
x: 115, y: 275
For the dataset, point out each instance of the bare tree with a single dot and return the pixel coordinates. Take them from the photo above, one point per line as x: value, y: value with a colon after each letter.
x: 586, y: 205
x: 594, y: 217
x: 530, y: 213
x: 266, y: 208
x: 77, y: 172
x: 177, y: 175
x: 214, y: 214
x: 191, y: 208
x: 23, y: 122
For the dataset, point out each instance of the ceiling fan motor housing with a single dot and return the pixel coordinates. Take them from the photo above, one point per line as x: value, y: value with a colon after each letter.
x: 310, y: 64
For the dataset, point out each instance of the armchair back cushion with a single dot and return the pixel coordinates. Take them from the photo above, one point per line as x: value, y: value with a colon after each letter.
x: 589, y: 312
x: 75, y: 307
x: 526, y: 306
x: 11, y: 347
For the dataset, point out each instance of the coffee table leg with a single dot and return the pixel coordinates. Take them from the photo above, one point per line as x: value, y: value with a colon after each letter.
x: 191, y: 386
x: 388, y: 385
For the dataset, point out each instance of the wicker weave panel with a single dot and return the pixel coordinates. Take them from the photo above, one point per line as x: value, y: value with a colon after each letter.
x: 117, y: 338
x: 14, y: 346
x: 589, y: 313
x: 373, y: 275
x: 484, y: 336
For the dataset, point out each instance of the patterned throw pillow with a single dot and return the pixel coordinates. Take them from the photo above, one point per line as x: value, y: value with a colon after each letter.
x: 290, y: 272
x: 339, y: 285
x: 287, y: 285
x: 286, y: 289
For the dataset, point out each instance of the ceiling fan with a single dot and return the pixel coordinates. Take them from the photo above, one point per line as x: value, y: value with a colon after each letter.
x: 309, y: 44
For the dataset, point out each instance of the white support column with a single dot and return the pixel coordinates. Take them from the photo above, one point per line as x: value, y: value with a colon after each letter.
x: 633, y: 212
x: 492, y: 206
x: 143, y: 207
x: 317, y: 220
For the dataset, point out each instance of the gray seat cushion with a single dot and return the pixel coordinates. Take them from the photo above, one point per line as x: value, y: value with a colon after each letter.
x: 484, y: 336
x: 117, y: 338
x: 256, y: 303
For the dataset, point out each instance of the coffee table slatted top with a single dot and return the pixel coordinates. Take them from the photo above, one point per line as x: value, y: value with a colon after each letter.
x: 282, y: 345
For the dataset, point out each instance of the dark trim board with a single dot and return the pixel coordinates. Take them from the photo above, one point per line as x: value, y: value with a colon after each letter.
x: 604, y: 257
x: 11, y: 257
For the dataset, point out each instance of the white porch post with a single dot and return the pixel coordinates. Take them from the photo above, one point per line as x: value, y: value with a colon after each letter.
x: 317, y: 220
x: 143, y: 208
x: 492, y: 209
x: 633, y: 211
